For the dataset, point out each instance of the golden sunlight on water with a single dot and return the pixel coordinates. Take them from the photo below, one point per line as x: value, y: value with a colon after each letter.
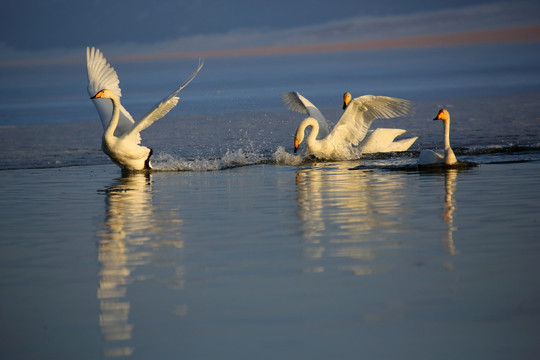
x: 359, y: 209
x: 449, y: 206
x: 361, y: 216
x: 129, y: 219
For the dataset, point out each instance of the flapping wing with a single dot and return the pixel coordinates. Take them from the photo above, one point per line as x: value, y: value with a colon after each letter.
x: 101, y: 75
x: 354, y: 124
x: 166, y: 105
x: 296, y: 102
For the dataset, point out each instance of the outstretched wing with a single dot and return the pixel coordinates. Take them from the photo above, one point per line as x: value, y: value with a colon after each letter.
x: 353, y: 125
x: 296, y: 102
x: 101, y: 75
x: 161, y: 109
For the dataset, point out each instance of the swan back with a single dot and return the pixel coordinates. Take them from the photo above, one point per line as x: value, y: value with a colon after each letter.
x: 383, y: 140
x: 428, y: 157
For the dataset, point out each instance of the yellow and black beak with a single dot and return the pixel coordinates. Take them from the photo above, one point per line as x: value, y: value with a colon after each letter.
x: 98, y: 95
x: 346, y: 99
x: 296, y: 144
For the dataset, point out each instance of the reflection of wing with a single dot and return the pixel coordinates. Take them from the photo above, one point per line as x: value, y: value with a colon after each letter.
x: 101, y: 75
x: 360, y: 113
x: 165, y: 105
x: 296, y: 102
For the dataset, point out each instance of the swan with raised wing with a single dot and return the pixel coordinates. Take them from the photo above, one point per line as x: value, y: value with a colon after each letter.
x: 121, y: 138
x: 447, y: 157
x: 347, y: 140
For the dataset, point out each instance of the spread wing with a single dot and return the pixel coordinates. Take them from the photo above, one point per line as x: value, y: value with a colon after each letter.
x: 296, y: 102
x: 166, y: 105
x: 353, y: 125
x: 101, y: 75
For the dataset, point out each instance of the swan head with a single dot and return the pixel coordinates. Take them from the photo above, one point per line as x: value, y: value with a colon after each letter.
x: 299, y: 136
x: 443, y: 115
x: 346, y: 99
x: 103, y: 94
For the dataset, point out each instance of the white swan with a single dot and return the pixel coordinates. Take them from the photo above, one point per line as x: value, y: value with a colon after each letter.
x: 121, y: 138
x: 447, y: 157
x: 351, y: 128
x: 382, y: 140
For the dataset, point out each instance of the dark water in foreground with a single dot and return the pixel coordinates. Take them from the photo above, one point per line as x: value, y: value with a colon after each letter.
x: 271, y: 261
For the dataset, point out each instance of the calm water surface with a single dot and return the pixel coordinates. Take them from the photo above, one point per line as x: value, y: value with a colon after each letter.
x: 278, y: 261
x: 269, y: 255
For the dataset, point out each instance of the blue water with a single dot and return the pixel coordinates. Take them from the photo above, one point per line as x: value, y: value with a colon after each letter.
x: 47, y: 94
x: 234, y: 104
x: 267, y: 255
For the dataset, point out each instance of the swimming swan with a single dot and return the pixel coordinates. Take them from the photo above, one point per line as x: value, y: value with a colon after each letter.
x: 121, y: 138
x: 351, y: 128
x: 431, y: 157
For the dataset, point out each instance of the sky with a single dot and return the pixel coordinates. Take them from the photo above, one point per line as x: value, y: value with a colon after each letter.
x: 58, y: 31
x: 38, y: 25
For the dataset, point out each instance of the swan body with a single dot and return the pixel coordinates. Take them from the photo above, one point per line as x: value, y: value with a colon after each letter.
x: 383, y: 140
x: 121, y: 138
x: 351, y: 128
x: 447, y: 157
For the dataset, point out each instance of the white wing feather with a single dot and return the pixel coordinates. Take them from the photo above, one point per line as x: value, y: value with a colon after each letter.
x: 354, y: 124
x: 166, y: 105
x: 296, y: 102
x: 101, y: 75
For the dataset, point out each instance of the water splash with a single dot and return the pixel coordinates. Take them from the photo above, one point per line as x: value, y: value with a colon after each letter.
x: 282, y: 157
x: 231, y: 159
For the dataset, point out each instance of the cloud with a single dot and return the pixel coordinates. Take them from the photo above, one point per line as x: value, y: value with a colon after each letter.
x: 472, y: 24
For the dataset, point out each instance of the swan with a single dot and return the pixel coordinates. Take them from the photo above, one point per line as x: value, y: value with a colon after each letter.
x: 447, y: 157
x: 121, y: 138
x: 351, y: 128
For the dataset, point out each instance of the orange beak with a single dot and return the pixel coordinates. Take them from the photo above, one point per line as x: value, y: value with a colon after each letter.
x: 346, y: 100
x: 98, y: 95
x: 296, y: 145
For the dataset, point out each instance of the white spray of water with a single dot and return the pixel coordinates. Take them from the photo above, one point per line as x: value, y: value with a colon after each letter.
x: 231, y: 159
x: 167, y: 162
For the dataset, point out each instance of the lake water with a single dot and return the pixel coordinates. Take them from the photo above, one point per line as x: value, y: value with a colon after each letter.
x: 237, y: 249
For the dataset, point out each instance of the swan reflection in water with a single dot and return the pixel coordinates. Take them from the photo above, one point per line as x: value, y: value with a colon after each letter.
x: 449, y: 206
x: 133, y: 228
x: 360, y: 215
x: 350, y: 214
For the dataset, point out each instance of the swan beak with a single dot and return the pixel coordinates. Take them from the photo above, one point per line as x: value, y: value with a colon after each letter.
x: 346, y: 99
x: 98, y: 95
x: 296, y: 145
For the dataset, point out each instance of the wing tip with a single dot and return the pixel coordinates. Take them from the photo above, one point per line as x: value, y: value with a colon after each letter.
x: 292, y: 101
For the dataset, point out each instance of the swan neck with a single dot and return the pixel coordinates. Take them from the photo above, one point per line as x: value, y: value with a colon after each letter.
x: 115, y: 117
x: 312, y: 136
x: 446, y: 134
